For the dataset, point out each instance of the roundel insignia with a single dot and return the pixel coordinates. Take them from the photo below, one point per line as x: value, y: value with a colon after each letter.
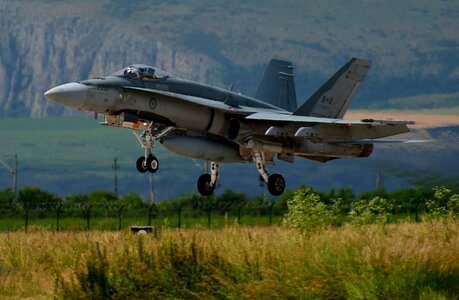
x: 153, y: 103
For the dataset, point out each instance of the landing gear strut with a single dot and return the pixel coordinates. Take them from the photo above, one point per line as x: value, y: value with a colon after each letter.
x: 276, y: 183
x: 208, y: 182
x: 149, y: 162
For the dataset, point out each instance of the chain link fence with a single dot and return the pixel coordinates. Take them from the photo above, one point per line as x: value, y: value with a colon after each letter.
x: 83, y: 216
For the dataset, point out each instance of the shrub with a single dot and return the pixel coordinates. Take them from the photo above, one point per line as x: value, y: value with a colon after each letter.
x: 35, y: 196
x: 443, y: 203
x: 306, y: 212
x: 376, y: 210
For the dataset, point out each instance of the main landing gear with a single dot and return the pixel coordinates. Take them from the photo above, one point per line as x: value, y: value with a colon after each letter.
x: 276, y: 183
x: 149, y: 162
x: 206, y: 182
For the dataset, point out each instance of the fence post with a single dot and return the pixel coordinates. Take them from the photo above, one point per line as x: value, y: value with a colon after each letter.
x: 179, y: 216
x: 271, y: 213
x: 58, y: 212
x: 239, y: 207
x: 119, y: 216
x: 209, y: 212
x: 88, y: 216
x: 27, y: 207
x: 150, y: 211
x: 417, y: 210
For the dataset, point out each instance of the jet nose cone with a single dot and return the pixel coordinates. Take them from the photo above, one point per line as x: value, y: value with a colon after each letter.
x: 71, y: 94
x: 51, y: 94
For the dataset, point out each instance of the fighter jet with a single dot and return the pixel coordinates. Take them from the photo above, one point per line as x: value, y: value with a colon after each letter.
x: 222, y: 126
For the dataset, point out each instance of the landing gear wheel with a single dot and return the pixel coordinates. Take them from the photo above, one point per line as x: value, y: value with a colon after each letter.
x: 152, y: 164
x: 141, y: 164
x: 204, y: 186
x: 276, y: 184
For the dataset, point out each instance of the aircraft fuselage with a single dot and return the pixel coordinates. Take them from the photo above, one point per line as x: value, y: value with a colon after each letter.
x: 215, y: 124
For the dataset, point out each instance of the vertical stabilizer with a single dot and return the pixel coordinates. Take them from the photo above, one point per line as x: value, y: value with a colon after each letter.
x: 334, y: 96
x: 277, y: 86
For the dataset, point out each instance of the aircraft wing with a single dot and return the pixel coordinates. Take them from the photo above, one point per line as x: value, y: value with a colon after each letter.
x: 381, y: 141
x: 305, y: 119
x: 363, y: 131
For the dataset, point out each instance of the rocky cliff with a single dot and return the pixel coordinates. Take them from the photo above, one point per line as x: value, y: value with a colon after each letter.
x: 43, y: 45
x: 413, y: 44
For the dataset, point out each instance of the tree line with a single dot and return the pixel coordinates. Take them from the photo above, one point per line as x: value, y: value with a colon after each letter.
x: 404, y: 201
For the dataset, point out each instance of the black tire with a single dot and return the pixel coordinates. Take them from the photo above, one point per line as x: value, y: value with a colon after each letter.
x: 141, y: 164
x: 204, y: 186
x: 152, y: 164
x: 276, y: 184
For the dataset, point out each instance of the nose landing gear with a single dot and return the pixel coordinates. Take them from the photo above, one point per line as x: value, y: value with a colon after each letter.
x: 149, y: 162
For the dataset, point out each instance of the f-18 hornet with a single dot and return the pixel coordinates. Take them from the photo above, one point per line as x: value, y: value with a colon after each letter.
x: 219, y: 125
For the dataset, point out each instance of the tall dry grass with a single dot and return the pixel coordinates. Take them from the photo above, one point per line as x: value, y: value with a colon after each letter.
x: 356, y: 262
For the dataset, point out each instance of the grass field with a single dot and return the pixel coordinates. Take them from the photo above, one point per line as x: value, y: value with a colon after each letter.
x: 403, y: 261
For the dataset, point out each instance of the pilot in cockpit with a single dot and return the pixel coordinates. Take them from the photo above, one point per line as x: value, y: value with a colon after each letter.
x: 130, y: 71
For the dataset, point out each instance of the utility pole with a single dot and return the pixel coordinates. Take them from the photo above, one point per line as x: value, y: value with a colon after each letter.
x: 116, y: 168
x: 152, y: 190
x: 14, y: 172
x: 379, y: 182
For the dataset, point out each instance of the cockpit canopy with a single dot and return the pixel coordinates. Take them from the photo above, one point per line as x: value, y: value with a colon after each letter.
x: 142, y: 72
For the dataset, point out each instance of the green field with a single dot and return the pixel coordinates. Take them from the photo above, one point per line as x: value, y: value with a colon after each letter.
x: 323, y: 247
x: 70, y: 155
x: 77, y: 144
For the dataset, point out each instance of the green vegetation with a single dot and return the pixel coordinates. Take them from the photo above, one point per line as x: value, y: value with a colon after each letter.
x: 403, y: 261
x: 303, y: 209
x: 307, y: 212
x: 362, y: 247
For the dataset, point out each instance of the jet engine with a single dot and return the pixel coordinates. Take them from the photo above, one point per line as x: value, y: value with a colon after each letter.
x: 202, y: 148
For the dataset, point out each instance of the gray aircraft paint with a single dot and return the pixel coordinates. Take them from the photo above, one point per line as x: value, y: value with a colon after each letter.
x: 277, y: 86
x: 211, y: 123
